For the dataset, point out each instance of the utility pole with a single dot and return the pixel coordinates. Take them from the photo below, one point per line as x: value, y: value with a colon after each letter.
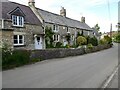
x: 111, y: 30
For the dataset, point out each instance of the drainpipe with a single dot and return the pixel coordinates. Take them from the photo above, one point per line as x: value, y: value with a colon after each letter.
x: 2, y: 23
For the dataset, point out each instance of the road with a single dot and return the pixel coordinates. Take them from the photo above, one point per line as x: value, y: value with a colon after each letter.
x: 86, y: 71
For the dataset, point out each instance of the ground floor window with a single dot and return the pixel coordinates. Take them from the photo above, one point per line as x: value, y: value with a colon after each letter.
x: 18, y: 40
x: 56, y: 38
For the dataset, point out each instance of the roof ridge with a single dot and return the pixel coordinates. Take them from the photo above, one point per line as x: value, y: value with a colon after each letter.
x: 60, y: 15
x: 18, y: 3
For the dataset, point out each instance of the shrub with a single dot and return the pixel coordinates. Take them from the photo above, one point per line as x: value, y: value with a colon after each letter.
x: 81, y: 40
x: 108, y: 39
x: 90, y: 46
x: 58, y: 45
x: 102, y: 41
x: 105, y: 40
x: 17, y: 58
x: 93, y: 41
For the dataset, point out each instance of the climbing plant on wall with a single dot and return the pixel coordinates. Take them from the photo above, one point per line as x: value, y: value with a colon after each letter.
x: 49, y: 37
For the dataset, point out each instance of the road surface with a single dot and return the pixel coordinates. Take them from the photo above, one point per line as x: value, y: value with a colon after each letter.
x: 86, y: 71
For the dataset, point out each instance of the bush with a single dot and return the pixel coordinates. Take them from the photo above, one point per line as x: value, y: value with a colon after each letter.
x: 105, y: 40
x: 102, y: 41
x: 81, y: 40
x: 58, y: 45
x: 90, y: 46
x: 17, y: 58
x: 93, y: 41
x: 108, y: 39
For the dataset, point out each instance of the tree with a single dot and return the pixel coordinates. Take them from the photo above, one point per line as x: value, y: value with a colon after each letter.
x: 97, y: 27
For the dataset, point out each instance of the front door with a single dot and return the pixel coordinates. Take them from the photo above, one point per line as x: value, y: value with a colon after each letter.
x: 38, y: 42
x: 65, y: 42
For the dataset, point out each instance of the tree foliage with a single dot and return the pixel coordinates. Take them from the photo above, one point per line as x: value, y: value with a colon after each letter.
x: 97, y: 27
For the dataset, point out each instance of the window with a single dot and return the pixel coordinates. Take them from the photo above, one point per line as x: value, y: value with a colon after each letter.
x: 88, y: 33
x: 72, y: 37
x: 18, y: 40
x: 68, y: 31
x: 17, y: 20
x: 56, y: 38
x: 55, y: 28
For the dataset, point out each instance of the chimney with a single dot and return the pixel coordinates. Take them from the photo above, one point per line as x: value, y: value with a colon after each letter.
x: 63, y: 12
x: 31, y: 3
x: 83, y: 19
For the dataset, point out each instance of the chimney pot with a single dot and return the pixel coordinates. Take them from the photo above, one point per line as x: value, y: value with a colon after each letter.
x: 83, y: 19
x: 31, y: 2
x: 63, y: 12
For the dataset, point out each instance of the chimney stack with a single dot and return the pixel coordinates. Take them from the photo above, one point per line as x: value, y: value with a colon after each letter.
x: 83, y: 19
x: 31, y: 3
x: 63, y: 12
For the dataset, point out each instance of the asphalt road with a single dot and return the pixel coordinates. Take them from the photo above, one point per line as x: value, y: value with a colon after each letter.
x: 86, y: 71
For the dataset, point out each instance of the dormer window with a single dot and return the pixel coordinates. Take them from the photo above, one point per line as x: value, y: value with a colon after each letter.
x: 17, y: 17
x: 18, y: 20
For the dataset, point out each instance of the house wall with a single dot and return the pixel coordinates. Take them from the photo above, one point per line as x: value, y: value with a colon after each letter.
x: 28, y: 31
x: 73, y: 31
x: 6, y: 38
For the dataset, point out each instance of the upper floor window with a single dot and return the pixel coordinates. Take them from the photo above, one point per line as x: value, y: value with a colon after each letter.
x: 17, y: 20
x: 88, y: 33
x: 68, y: 31
x: 55, y: 28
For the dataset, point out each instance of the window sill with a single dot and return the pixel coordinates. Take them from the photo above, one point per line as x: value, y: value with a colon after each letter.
x: 19, y: 45
x: 55, y: 31
x: 17, y: 26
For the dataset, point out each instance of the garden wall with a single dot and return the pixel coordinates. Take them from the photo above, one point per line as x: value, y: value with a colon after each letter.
x: 60, y: 53
x: 18, y: 58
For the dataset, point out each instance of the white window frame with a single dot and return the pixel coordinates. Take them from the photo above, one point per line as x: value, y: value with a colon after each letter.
x: 72, y: 37
x: 55, y: 28
x: 18, y: 20
x: 18, y: 40
x: 56, y: 38
x: 68, y: 30
x: 88, y: 33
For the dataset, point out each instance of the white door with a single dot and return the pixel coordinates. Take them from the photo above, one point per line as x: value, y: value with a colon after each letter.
x: 65, y: 42
x: 38, y: 42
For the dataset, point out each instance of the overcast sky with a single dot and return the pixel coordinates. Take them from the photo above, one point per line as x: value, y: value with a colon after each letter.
x: 95, y: 11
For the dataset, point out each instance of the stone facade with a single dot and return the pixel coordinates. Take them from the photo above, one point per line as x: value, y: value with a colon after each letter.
x: 28, y: 31
x: 62, y: 31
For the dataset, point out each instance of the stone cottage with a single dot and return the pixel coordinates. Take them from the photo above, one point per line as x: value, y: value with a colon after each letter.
x: 61, y: 25
x: 23, y: 27
x: 20, y: 27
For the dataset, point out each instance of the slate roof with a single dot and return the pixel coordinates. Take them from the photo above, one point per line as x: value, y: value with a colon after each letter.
x: 58, y: 19
x: 30, y: 17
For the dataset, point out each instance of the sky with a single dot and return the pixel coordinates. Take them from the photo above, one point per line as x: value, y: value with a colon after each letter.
x: 101, y: 12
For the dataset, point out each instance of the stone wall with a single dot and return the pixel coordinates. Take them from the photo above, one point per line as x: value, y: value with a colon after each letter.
x: 6, y: 37
x: 55, y: 53
x: 60, y: 53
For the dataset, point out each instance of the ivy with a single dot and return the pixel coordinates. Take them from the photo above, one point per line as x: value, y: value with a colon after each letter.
x: 49, y: 37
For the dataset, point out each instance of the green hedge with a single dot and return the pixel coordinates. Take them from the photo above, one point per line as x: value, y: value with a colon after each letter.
x: 15, y: 59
